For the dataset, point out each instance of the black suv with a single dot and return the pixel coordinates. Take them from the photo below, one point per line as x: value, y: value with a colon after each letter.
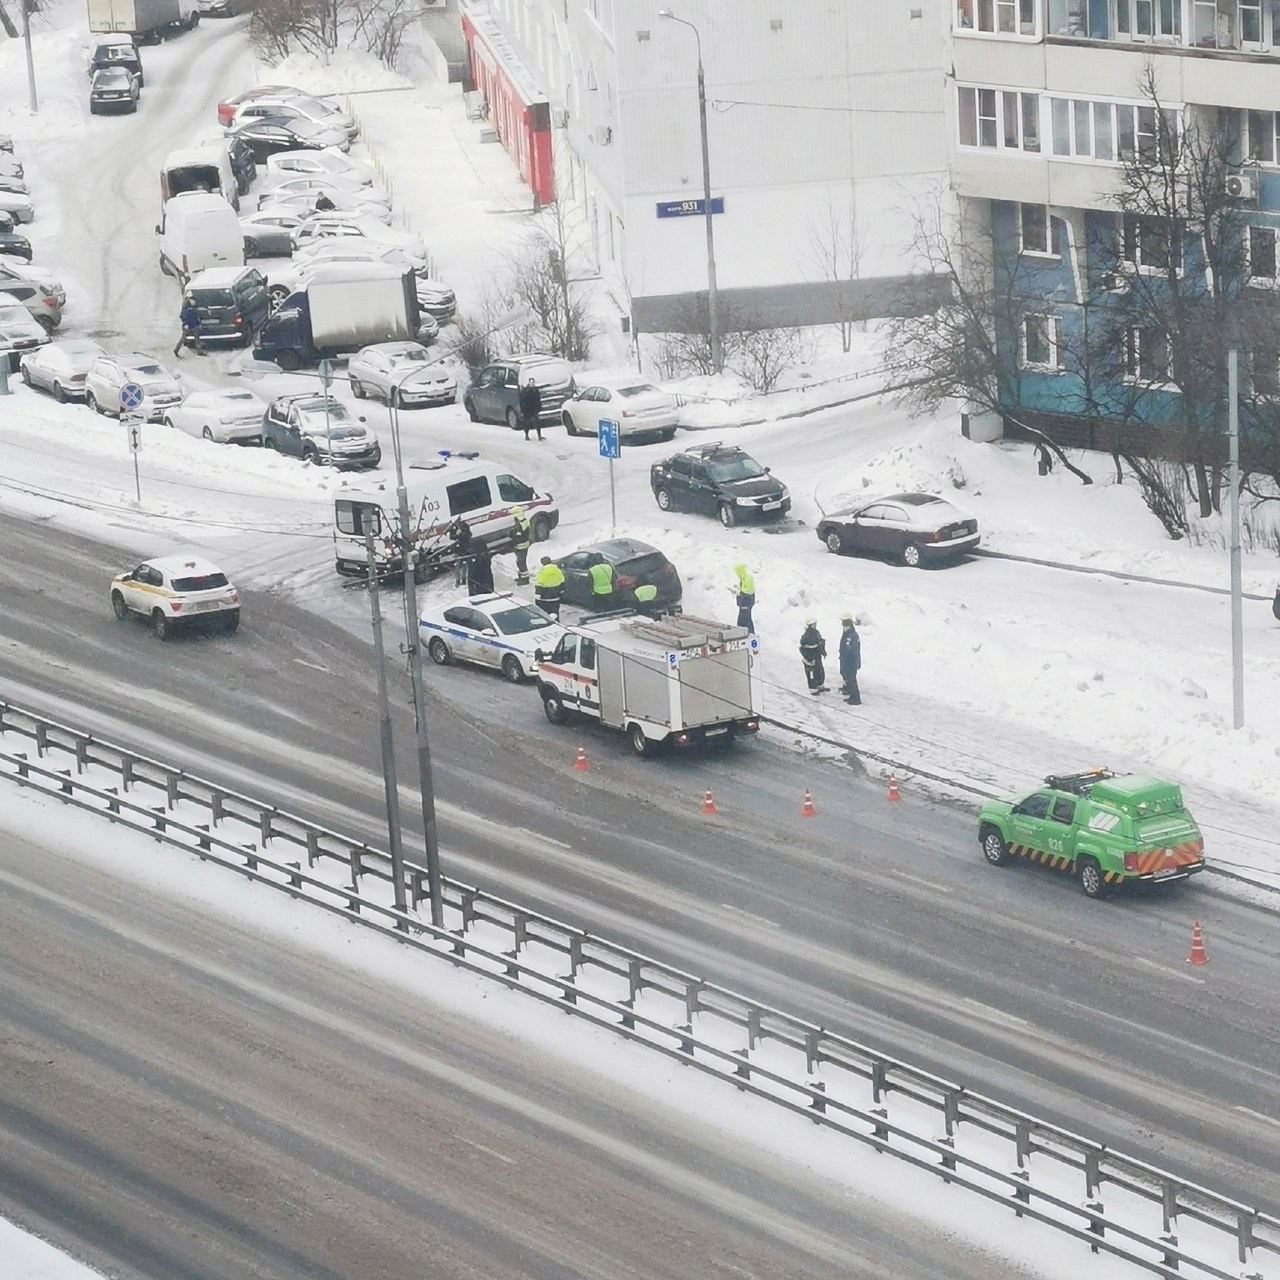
x: 719, y: 480
x: 232, y: 301
x: 117, y: 51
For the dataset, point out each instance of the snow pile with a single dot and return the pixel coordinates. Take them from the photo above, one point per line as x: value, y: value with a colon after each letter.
x: 345, y: 71
x: 60, y: 51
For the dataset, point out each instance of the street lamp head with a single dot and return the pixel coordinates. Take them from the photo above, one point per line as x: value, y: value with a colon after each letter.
x: 665, y: 13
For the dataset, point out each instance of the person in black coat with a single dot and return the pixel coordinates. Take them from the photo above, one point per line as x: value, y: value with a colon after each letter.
x: 531, y: 408
x: 460, y: 538
x: 480, y: 571
x: 850, y: 659
x: 813, y: 648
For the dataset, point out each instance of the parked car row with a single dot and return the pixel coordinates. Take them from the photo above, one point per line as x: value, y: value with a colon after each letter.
x: 115, y: 75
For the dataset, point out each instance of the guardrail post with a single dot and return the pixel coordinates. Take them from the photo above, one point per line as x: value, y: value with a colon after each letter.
x: 66, y: 786
x: 812, y: 1049
x: 42, y: 737
x: 880, y: 1131
x: 357, y: 869
x: 686, y: 1039
x: 1170, y: 1241
x: 1169, y: 1204
x: 202, y: 842
x: 295, y: 879
x: 635, y: 980
x: 1244, y: 1235
x: 951, y: 1112
x: 519, y: 931
x: 1021, y: 1191
x: 215, y: 807
x: 21, y: 758
x: 1096, y: 1225
x: 575, y: 954
x: 948, y: 1159
x: 879, y: 1083
x: 417, y: 887
x: 171, y: 789
x: 818, y: 1103
x: 313, y: 847
x: 82, y: 754
x: 265, y: 831
x: 113, y: 805
x: 353, y: 898
x: 1022, y: 1141
x: 753, y: 1028
x: 467, y: 901
x: 1092, y: 1173
x: 126, y: 773
x: 692, y: 992
x: 743, y: 1069
x: 249, y: 860
x: 160, y: 822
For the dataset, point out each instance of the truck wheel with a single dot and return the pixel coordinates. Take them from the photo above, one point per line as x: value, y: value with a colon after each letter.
x: 511, y: 669
x: 513, y: 420
x: 1091, y: 881
x: 994, y: 848
x: 728, y: 517
x: 639, y: 743
x: 439, y: 651
x: 539, y: 529
x: 554, y: 709
x: 662, y: 496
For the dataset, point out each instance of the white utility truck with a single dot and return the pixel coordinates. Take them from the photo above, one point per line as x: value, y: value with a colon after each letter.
x: 665, y: 682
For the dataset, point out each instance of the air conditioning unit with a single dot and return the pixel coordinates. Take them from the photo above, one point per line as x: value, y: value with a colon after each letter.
x: 559, y: 118
x: 1241, y: 186
x: 603, y: 135
x: 1114, y: 282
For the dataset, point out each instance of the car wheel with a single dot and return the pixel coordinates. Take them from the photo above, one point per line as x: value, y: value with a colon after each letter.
x: 513, y: 420
x: 668, y: 436
x: 357, y: 389
x: 167, y: 421
x: 310, y: 454
x: 46, y: 324
x: 512, y: 669
x: 277, y: 294
x: 470, y: 407
x: 269, y: 442
x: 567, y: 419
x: 207, y: 434
x: 439, y: 652
x: 639, y: 743
x: 160, y: 625
x: 26, y: 375
x: 554, y: 709
x: 250, y: 246
x: 59, y: 393
x: 539, y: 529
x: 728, y: 517
x: 91, y: 402
x: 118, y: 606
x: 288, y: 360
x: 835, y: 543
x: 232, y: 623
x: 911, y: 556
x: 994, y: 848
x: 1091, y: 881
x: 663, y: 498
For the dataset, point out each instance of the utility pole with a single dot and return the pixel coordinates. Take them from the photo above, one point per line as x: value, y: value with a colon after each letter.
x: 390, y: 783
x: 1237, y: 589
x: 31, y: 66
x: 413, y: 643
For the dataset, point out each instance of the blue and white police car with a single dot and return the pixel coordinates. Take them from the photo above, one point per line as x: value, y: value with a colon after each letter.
x: 492, y: 631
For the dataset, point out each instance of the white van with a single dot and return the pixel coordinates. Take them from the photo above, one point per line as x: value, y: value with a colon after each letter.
x: 460, y: 484
x: 198, y: 230
x: 205, y: 168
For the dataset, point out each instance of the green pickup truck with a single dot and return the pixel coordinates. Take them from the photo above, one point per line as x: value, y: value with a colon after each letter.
x: 1106, y: 830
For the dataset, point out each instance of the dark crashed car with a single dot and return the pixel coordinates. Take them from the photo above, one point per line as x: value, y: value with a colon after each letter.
x: 635, y: 564
x: 912, y: 528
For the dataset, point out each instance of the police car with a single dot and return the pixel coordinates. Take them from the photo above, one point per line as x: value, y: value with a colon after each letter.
x: 176, y: 593
x: 492, y: 631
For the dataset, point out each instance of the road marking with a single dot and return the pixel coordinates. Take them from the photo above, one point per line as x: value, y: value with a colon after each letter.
x: 1257, y: 1115
x: 747, y: 915
x: 995, y: 1015
x: 489, y: 1151
x: 928, y: 884
x: 1157, y: 967
x: 315, y: 666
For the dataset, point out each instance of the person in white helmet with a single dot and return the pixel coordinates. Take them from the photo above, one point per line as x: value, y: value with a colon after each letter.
x: 813, y: 648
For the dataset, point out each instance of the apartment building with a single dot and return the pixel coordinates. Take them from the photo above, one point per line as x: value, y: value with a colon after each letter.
x: 822, y: 115
x: 1051, y: 102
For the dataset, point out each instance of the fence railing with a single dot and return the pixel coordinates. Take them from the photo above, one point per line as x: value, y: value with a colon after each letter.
x: 1164, y: 1224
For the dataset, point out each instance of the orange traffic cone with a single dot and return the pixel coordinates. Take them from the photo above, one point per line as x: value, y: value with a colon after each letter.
x: 806, y: 809
x: 581, y: 762
x: 1197, y: 955
x: 708, y: 804
x: 893, y: 793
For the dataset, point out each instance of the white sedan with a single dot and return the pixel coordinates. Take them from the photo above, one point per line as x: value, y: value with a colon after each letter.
x: 329, y: 226
x: 22, y: 207
x: 330, y: 162
x: 638, y: 407
x: 492, y: 631
x: 401, y: 373
x: 303, y: 204
x: 224, y: 416
x: 281, y: 181
x: 61, y: 367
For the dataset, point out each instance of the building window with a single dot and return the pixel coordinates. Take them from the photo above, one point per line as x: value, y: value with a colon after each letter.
x: 1070, y: 18
x: 1036, y: 231
x: 1149, y: 19
x: 1152, y: 244
x: 978, y: 118
x: 1146, y: 355
x: 1042, y: 342
x: 997, y: 17
x: 1261, y: 131
x: 1227, y: 24
x: 1262, y: 254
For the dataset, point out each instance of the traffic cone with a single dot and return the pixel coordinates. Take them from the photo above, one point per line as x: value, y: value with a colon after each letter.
x: 893, y: 793
x: 581, y: 762
x: 1197, y: 955
x: 708, y: 804
x: 806, y: 809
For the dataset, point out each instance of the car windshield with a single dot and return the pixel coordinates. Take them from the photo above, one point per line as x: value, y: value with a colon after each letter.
x: 519, y: 621
x: 314, y: 415
x: 11, y: 315
x: 409, y: 357
x: 742, y: 468
x: 113, y: 75
x: 146, y: 370
x: 238, y: 399
x: 212, y: 297
x: 201, y: 582
x: 639, y: 566
x: 636, y: 389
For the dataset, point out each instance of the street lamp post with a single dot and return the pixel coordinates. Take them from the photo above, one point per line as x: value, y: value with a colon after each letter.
x: 713, y: 292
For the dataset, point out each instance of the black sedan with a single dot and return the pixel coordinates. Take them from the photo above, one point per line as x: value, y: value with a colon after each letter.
x: 267, y: 135
x: 15, y: 245
x: 635, y: 564
x: 913, y: 528
x: 113, y: 89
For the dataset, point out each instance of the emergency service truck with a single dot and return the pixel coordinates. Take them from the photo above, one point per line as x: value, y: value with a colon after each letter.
x: 666, y: 682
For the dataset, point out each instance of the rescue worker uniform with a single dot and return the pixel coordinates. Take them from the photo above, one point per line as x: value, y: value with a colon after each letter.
x: 850, y: 659
x: 601, y: 584
x: 813, y: 648
x: 521, y: 538
x: 645, y: 597
x: 548, y: 587
x: 744, y: 589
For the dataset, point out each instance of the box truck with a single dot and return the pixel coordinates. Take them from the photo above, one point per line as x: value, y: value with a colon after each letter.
x: 344, y: 306
x: 146, y: 20
x: 669, y: 682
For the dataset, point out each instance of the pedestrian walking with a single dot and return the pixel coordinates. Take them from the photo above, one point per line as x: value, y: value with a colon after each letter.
x: 1275, y: 604
x: 480, y: 571
x: 601, y: 575
x: 189, y: 318
x: 521, y: 539
x: 744, y: 590
x: 813, y: 648
x: 548, y: 587
x: 461, y: 537
x: 850, y: 659
x: 531, y: 408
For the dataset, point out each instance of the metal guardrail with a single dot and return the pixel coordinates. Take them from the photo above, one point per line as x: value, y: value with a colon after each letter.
x: 784, y: 1060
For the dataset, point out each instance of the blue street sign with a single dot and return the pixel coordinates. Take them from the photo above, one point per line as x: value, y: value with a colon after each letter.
x: 610, y: 437
x: 131, y: 396
x: 689, y: 208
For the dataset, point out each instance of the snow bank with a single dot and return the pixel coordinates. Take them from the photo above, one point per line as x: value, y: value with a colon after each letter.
x: 345, y: 71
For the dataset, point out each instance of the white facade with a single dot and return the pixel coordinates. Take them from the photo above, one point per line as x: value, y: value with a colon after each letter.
x: 816, y: 108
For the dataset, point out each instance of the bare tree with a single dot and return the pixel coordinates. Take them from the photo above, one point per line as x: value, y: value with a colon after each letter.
x: 971, y: 347
x: 278, y: 28
x: 762, y: 356
x: 835, y: 255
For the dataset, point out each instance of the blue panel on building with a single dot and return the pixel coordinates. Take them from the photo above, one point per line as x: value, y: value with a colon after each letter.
x: 689, y: 208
